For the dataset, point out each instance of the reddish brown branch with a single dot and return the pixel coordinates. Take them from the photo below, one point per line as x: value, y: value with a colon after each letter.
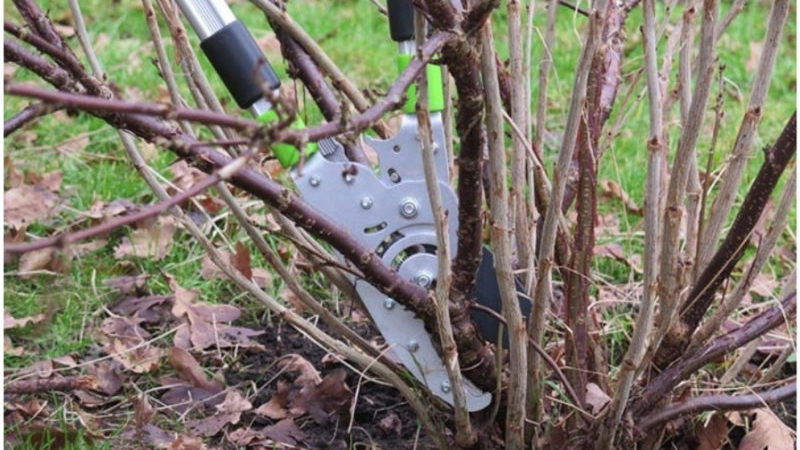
x: 92, y: 103
x: 776, y: 159
x: 717, y: 403
x: 303, y: 67
x: 14, y: 52
x: 692, y: 361
x: 70, y: 383
x: 64, y: 240
x: 27, y: 115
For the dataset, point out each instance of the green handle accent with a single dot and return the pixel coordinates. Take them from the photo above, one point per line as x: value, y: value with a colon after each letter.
x: 288, y: 155
x: 435, y: 90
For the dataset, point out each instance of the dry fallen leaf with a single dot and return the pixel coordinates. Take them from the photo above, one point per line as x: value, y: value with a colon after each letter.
x: 596, y: 398
x: 31, y: 263
x: 154, y: 241
x: 328, y: 397
x: 612, y: 189
x: 207, y: 323
x: 143, y: 309
x: 102, y: 211
x: 228, y: 412
x: 11, y: 322
x: 27, y: 204
x: 128, y: 284
x: 275, y: 408
x: 74, y: 145
x: 40, y: 369
x: 193, y: 385
x: 184, y: 442
x: 9, y: 349
x: 106, y: 376
x: 712, y: 436
x: 309, y: 376
x: 125, y: 342
x: 768, y: 432
x: 285, y: 431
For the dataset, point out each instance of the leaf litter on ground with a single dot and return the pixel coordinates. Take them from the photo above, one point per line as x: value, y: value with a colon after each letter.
x: 30, y: 203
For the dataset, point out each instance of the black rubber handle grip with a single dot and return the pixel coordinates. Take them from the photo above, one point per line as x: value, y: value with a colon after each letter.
x: 401, y: 20
x: 240, y: 63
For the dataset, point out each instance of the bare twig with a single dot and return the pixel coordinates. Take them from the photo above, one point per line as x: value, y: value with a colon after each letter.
x: 669, y: 273
x: 340, y: 81
x: 465, y: 436
x: 92, y: 103
x: 500, y: 233
x: 64, y: 240
x: 69, y: 383
x: 656, y: 156
x: 776, y: 229
x: 717, y: 403
x: 742, y: 148
x: 26, y: 116
x: 544, y: 294
x: 690, y: 362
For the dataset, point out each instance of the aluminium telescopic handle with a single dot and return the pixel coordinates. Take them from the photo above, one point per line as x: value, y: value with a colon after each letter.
x: 231, y: 50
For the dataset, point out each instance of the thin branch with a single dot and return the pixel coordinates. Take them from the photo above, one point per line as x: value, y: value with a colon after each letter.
x: 64, y: 240
x: 695, y: 405
x: 340, y: 81
x: 776, y: 229
x: 656, y: 156
x: 464, y: 433
x: 742, y: 148
x: 669, y: 274
x: 690, y: 362
x: 28, y: 114
x: 92, y: 103
x: 500, y: 233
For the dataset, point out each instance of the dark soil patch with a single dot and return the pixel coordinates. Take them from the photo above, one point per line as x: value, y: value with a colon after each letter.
x: 374, y: 403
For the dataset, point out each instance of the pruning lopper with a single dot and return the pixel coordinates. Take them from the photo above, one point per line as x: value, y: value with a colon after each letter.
x: 385, y: 209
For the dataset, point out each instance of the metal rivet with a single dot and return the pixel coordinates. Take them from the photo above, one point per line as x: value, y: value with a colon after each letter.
x: 445, y: 386
x: 408, y: 208
x: 388, y: 303
x: 413, y: 346
x: 366, y: 202
x: 314, y: 181
x: 423, y: 279
x: 349, y: 178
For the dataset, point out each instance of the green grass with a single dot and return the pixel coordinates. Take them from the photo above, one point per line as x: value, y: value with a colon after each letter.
x: 356, y: 37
